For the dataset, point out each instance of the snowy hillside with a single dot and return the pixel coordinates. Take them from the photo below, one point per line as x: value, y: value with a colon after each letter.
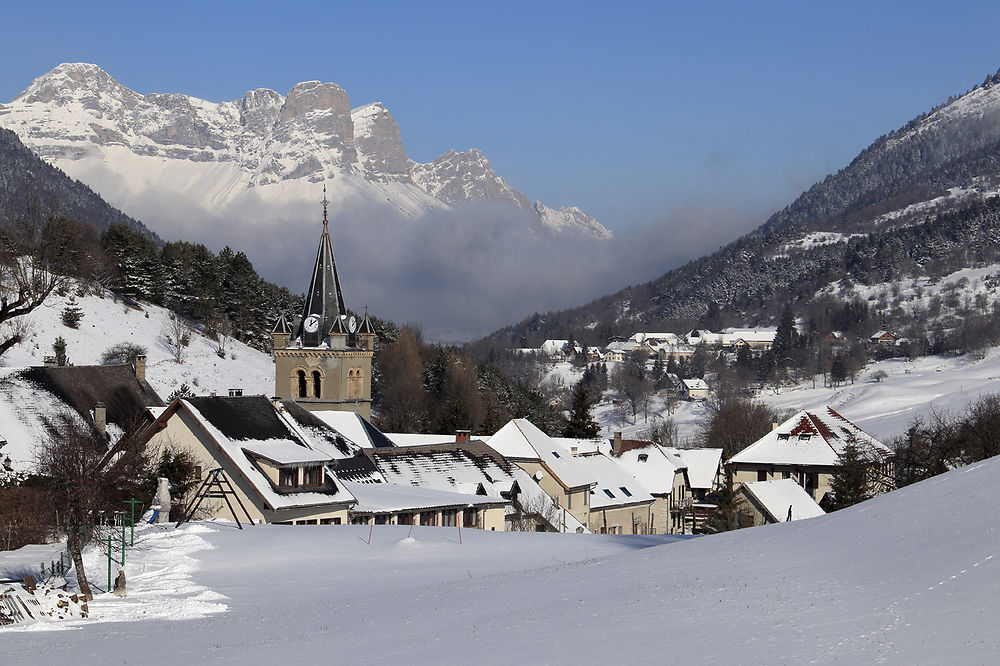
x: 108, y: 321
x: 896, y: 579
x: 264, y: 148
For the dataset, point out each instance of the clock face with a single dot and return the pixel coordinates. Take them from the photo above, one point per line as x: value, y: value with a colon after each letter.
x: 352, y: 324
x: 311, y: 324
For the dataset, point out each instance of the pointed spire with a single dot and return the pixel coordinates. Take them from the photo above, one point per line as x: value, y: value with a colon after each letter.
x: 324, y: 300
x: 282, y: 326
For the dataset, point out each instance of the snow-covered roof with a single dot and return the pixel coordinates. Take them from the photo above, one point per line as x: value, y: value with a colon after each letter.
x: 418, y: 439
x: 579, y: 445
x: 650, y: 464
x: 521, y: 439
x: 615, y: 486
x: 33, y: 399
x: 763, y: 334
x: 702, y: 465
x: 355, y: 427
x: 284, y: 452
x: 661, y: 338
x: 695, y: 384
x: 553, y: 346
x: 775, y: 497
x: 231, y: 424
x: 456, y: 467
x: 809, y: 438
x: 391, y: 497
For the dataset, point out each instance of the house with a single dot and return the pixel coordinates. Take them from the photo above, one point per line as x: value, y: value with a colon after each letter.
x: 594, y: 355
x: 755, y: 338
x: 111, y: 399
x: 555, y: 349
x: 806, y: 448
x: 549, y: 463
x: 662, y: 473
x: 704, y: 474
x: 619, y: 503
x: 694, y: 389
x: 778, y: 501
x: 882, y: 338
x: 275, y: 472
x: 473, y: 468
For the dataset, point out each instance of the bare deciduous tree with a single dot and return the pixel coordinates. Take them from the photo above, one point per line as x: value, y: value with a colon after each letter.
x: 88, y: 479
x: 176, y: 336
x: 25, y: 283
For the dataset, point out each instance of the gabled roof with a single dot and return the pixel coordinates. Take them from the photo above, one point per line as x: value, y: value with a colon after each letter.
x: 324, y: 298
x: 366, y: 326
x: 615, y: 486
x: 34, y: 399
x: 316, y: 432
x: 394, y: 497
x: 775, y: 498
x: 695, y: 384
x: 355, y: 428
x: 648, y: 463
x: 219, y: 420
x: 810, y: 438
x: 521, y: 439
x: 459, y: 467
x: 702, y: 466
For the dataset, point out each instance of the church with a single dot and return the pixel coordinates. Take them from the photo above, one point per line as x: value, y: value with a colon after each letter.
x: 323, y: 359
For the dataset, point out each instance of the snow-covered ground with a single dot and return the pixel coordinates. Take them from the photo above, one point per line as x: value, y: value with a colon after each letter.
x: 108, y: 321
x: 897, y: 579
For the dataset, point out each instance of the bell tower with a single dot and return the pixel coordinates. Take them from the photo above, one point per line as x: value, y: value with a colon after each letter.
x: 323, y: 359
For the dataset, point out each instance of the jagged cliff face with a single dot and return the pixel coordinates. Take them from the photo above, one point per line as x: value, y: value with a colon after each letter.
x: 277, y: 147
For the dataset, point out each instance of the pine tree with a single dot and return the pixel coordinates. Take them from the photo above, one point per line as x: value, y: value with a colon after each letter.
x: 581, y: 424
x: 729, y: 513
x: 72, y: 313
x: 786, y: 336
x: 59, y: 347
x: 849, y: 482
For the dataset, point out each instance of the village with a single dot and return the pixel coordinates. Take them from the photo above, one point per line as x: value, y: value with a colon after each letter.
x: 310, y: 455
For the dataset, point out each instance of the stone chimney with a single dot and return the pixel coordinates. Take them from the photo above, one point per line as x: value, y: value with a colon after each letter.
x: 616, y: 447
x: 101, y: 418
x: 774, y: 425
x: 140, y: 367
x: 462, y: 435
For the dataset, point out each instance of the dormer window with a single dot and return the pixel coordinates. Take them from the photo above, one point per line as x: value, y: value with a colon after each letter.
x: 288, y: 477
x: 312, y: 476
x: 783, y: 436
x: 805, y: 437
x: 643, y: 457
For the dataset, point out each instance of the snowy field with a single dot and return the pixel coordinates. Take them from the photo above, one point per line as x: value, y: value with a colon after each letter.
x: 895, y: 580
x: 108, y: 321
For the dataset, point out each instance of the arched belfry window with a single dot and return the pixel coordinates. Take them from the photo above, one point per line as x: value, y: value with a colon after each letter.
x: 302, y: 383
x: 317, y: 384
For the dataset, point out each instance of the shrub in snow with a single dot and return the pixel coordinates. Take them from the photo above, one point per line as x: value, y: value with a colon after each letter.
x: 59, y: 347
x: 123, y: 352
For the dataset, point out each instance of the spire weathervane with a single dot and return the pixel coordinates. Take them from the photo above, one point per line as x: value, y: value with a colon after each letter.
x: 324, y: 204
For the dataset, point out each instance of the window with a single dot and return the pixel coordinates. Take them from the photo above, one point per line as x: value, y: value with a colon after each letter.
x: 359, y: 520
x: 197, y: 472
x: 762, y: 475
x: 586, y: 495
x: 555, y: 454
x: 609, y: 493
x: 428, y: 518
x: 471, y: 518
x: 313, y: 476
x: 783, y: 435
x: 569, y: 500
x: 643, y: 457
x: 786, y: 475
x: 317, y: 384
x: 449, y: 517
x: 404, y: 519
x: 306, y: 522
x: 805, y: 437
x: 381, y: 519
x: 625, y: 490
x: 288, y: 477
x: 329, y: 521
x: 302, y: 383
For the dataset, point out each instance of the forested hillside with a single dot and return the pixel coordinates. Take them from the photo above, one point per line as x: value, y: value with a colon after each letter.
x: 915, y: 202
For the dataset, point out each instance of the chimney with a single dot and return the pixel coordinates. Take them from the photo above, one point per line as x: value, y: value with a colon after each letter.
x: 774, y: 425
x: 616, y: 448
x: 140, y: 367
x: 462, y: 435
x: 101, y: 418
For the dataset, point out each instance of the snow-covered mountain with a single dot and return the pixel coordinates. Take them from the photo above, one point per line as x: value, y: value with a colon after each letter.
x: 264, y: 147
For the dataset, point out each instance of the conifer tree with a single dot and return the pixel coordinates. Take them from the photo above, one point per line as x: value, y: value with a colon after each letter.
x: 729, y: 513
x: 849, y: 481
x: 72, y: 313
x: 59, y: 347
x: 581, y: 424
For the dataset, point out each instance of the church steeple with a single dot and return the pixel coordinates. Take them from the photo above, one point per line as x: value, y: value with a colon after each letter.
x: 325, y: 300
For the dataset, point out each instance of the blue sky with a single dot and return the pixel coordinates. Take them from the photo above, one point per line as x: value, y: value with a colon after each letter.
x: 633, y: 111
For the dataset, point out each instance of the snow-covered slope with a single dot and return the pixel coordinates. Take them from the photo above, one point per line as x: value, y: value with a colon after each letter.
x: 107, y: 321
x: 264, y: 147
x: 896, y: 579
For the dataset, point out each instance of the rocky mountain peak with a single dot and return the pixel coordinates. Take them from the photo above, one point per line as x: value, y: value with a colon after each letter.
x: 378, y: 141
